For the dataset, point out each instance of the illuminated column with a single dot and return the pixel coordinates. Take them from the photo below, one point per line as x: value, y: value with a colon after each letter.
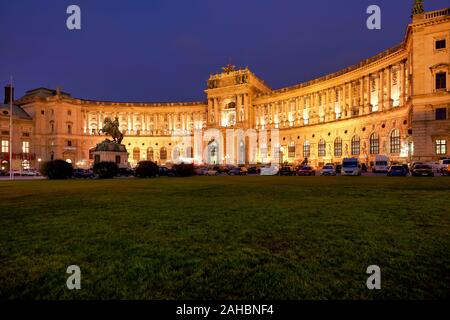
x: 403, y: 83
x: 217, y: 111
x: 380, y: 90
x: 87, y: 122
x: 246, y: 106
x: 361, y: 97
x: 389, y: 101
x: 349, y: 100
x: 367, y: 108
x: 238, y: 108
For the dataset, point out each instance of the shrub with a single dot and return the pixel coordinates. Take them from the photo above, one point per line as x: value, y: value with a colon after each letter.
x: 106, y: 170
x: 184, y: 169
x: 146, y: 169
x: 57, y: 169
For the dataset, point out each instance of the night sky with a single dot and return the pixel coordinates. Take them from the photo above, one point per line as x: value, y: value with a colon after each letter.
x: 164, y: 50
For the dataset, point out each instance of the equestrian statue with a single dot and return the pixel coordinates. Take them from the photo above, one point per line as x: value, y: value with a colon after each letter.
x: 112, y: 128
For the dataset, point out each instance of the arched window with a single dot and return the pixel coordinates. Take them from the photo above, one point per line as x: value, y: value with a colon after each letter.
x: 322, y: 148
x: 150, y: 153
x: 338, y: 147
x: 69, y: 129
x: 291, y: 150
x: 356, y: 146
x: 136, y: 154
x: 374, y: 143
x: 163, y: 154
x: 306, y: 149
x: 189, y: 152
x: 395, y: 141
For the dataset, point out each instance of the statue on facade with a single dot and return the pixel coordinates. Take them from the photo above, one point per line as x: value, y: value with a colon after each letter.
x: 418, y: 7
x: 112, y: 128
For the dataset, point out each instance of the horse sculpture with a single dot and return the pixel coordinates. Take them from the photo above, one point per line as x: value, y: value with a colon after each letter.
x: 112, y: 128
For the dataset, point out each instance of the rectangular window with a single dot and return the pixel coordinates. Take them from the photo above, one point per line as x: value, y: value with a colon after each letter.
x: 441, y: 80
x: 441, y: 114
x: 25, y: 147
x: 69, y: 143
x: 5, y: 146
x: 306, y: 150
x: 441, y: 147
x: 440, y: 44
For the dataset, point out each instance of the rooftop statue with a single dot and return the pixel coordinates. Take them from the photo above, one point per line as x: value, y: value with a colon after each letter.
x: 418, y: 7
x: 112, y: 128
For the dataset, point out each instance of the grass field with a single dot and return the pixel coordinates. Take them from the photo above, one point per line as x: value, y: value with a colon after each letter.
x: 226, y: 238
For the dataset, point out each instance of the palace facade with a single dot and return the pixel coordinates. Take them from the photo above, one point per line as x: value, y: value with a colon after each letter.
x: 396, y: 103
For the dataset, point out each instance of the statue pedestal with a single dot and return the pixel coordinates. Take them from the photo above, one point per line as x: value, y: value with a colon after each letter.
x: 110, y: 151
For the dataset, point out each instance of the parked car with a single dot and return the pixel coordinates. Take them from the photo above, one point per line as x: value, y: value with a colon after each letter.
x: 217, y: 171
x: 351, y: 167
x: 397, y: 171
x: 83, y: 173
x: 446, y: 170
x: 29, y: 173
x: 381, y: 164
x: 269, y: 171
x: 328, y: 170
x: 14, y: 172
x: 237, y: 171
x: 287, y: 171
x: 443, y: 164
x: 253, y: 171
x: 306, y: 171
x: 126, y: 172
x: 406, y: 168
x: 200, y: 171
x: 422, y: 170
x: 166, y: 172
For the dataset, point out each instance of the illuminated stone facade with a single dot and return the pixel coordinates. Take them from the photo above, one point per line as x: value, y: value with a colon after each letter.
x: 396, y: 103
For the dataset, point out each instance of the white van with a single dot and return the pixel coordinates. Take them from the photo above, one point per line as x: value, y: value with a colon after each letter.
x: 381, y: 164
x: 351, y: 167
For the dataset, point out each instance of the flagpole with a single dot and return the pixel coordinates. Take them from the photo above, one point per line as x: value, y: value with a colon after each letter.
x: 11, y: 173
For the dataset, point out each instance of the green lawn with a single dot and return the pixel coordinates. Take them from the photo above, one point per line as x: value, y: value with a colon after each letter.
x: 226, y: 238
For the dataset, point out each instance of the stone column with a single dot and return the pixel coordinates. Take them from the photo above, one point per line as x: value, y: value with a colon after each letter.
x: 381, y: 90
x: 402, y: 83
x: 369, y: 94
x: 389, y: 101
x: 361, y: 97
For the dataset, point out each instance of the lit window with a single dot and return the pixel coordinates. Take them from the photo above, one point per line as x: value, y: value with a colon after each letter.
x: 356, y: 146
x: 306, y: 149
x: 322, y: 148
x: 5, y: 146
x: 395, y: 141
x: 441, y: 147
x: 25, y: 146
x: 374, y: 144
x: 291, y: 150
x: 441, y: 80
x: 338, y: 147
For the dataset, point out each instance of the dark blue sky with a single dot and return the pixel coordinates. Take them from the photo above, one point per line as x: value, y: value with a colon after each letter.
x: 164, y: 50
